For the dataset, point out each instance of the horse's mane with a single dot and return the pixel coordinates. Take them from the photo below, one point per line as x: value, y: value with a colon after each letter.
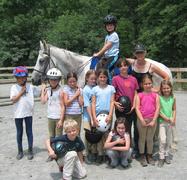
x: 71, y: 53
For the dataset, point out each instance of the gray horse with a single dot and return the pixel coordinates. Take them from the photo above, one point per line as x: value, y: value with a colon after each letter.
x: 67, y: 61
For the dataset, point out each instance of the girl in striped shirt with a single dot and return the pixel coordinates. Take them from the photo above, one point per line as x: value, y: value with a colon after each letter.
x: 73, y: 99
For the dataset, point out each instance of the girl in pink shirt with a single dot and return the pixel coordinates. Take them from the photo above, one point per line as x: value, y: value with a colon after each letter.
x: 147, y: 109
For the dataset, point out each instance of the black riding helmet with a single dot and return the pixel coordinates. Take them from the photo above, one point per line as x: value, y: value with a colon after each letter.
x: 110, y: 19
x: 125, y: 103
x: 139, y: 48
x: 93, y: 136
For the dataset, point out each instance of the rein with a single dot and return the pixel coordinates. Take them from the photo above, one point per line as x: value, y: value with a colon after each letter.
x: 81, y: 68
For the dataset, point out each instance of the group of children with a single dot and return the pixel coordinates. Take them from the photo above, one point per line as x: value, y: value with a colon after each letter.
x: 148, y: 110
x: 65, y: 111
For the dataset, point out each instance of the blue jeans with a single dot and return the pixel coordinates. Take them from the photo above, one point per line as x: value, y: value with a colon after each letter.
x: 19, y: 128
x: 118, y: 156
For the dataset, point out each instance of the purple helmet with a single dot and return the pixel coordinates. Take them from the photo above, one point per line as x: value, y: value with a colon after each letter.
x: 20, y: 71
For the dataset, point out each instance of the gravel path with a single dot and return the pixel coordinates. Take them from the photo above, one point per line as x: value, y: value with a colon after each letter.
x: 38, y: 169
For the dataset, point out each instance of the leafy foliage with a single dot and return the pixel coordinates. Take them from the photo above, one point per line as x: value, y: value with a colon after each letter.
x: 78, y: 26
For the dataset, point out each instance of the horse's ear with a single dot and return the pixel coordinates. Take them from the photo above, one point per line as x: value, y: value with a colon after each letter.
x: 45, y: 45
x: 41, y: 45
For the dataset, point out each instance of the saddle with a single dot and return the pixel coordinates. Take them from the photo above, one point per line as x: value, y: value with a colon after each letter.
x: 105, y: 63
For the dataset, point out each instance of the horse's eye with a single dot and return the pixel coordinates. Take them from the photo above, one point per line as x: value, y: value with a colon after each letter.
x: 41, y: 60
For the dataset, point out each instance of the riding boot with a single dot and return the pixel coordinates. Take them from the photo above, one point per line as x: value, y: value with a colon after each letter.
x: 30, y: 154
x: 20, y: 154
x: 143, y: 160
x: 150, y: 160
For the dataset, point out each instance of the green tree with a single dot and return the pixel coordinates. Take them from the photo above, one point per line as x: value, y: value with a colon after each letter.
x: 78, y: 26
x: 164, y: 30
x: 22, y: 25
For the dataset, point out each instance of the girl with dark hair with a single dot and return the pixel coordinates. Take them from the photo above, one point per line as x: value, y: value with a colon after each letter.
x: 117, y: 144
x: 102, y: 100
x: 147, y: 110
x: 126, y: 85
x: 73, y: 99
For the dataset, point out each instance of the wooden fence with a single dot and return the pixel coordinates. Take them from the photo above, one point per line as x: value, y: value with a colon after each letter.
x: 6, y: 77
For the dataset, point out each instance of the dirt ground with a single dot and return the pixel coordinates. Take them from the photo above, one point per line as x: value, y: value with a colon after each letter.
x: 39, y: 169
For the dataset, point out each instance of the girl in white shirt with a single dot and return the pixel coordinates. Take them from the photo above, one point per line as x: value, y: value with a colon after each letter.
x: 22, y: 96
x: 54, y: 96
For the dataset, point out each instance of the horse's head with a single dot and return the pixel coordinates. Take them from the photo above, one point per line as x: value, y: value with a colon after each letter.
x: 42, y: 65
x: 67, y: 61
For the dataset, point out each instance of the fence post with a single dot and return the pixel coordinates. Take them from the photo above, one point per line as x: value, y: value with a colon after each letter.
x: 179, y: 84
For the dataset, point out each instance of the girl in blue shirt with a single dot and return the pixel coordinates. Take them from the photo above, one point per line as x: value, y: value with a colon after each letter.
x: 102, y: 100
x: 90, y: 80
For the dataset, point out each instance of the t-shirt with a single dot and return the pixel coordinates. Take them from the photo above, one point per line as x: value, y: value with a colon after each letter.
x: 166, y: 107
x: 74, y: 108
x: 147, y: 104
x: 114, y: 39
x: 24, y: 106
x: 87, y: 96
x: 125, y: 86
x: 54, y: 106
x: 76, y: 145
x: 126, y: 135
x: 103, y: 97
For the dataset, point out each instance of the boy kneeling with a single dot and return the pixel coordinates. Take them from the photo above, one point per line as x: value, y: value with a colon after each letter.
x: 68, y: 151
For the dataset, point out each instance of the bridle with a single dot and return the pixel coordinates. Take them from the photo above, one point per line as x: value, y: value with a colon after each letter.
x: 51, y: 61
x: 48, y: 64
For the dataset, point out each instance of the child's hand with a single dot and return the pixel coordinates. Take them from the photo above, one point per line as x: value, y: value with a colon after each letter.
x: 151, y: 124
x: 168, y: 120
x: 59, y: 124
x: 95, y: 55
x: 43, y: 86
x: 172, y: 122
x: 96, y: 122
x: 120, y: 141
x: 43, y: 89
x: 143, y: 123
x: 119, y: 107
x: 108, y: 119
x: 78, y: 92
x: 52, y: 154
x: 92, y: 123
x: 23, y: 90
x: 132, y: 108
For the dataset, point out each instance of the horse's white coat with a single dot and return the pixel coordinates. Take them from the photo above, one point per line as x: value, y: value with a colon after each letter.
x: 68, y: 61
x: 65, y: 60
x: 156, y: 78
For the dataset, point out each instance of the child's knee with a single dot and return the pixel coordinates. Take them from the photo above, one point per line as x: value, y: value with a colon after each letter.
x: 110, y: 153
x: 83, y: 173
x: 71, y: 155
x: 162, y: 140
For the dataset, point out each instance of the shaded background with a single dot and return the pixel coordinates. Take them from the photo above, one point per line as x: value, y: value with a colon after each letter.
x: 78, y: 26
